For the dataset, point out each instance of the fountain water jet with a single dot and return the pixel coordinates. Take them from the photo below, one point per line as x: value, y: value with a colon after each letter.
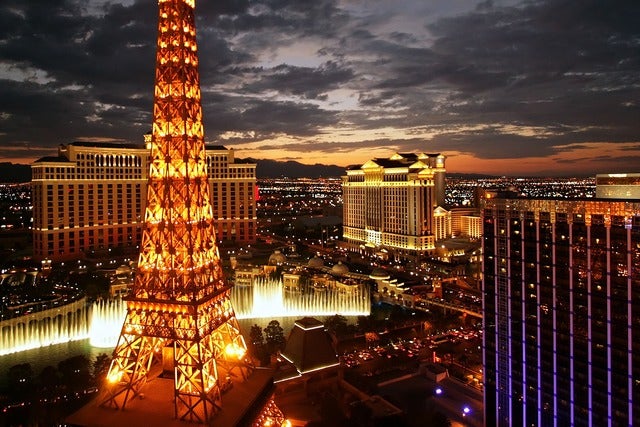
x: 48, y: 327
x: 101, y: 321
x: 107, y: 317
x: 267, y: 298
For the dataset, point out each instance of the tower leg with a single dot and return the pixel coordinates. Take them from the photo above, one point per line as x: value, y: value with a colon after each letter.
x: 197, y: 388
x: 234, y: 354
x: 131, y: 362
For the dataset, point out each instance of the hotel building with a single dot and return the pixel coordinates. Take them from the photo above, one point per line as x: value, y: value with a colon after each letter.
x: 441, y: 223
x: 91, y: 198
x: 466, y: 222
x: 561, y: 300
x: 471, y: 226
x: 389, y: 203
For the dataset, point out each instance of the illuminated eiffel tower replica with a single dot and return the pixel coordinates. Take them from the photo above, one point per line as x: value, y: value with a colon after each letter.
x: 179, y: 306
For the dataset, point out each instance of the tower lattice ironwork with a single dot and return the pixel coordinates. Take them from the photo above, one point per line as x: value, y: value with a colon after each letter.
x: 180, y: 302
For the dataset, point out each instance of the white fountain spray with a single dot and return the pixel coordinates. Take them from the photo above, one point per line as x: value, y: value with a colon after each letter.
x: 268, y: 299
x: 107, y: 317
x: 54, y: 326
x: 102, y: 321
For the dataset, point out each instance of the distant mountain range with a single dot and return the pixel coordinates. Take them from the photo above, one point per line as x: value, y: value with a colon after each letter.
x: 14, y: 173
x: 291, y: 169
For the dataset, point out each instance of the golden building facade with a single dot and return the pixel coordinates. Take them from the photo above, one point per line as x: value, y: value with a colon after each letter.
x: 457, y: 227
x: 389, y: 203
x: 441, y: 223
x: 471, y: 226
x: 91, y: 198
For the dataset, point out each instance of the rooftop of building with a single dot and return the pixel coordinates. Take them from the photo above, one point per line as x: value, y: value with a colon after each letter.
x: 523, y: 198
x: 594, y: 205
x: 215, y: 147
x: 155, y: 407
x: 308, y: 349
x: 105, y: 144
x: 398, y: 160
x: 616, y: 176
x: 121, y: 146
x: 380, y: 407
x: 58, y: 159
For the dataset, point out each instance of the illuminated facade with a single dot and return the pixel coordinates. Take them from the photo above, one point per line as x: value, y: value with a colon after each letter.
x: 618, y: 186
x: 457, y: 226
x: 88, y: 198
x: 561, y: 312
x: 441, y: 223
x: 91, y: 198
x: 233, y: 194
x: 179, y: 307
x: 471, y: 226
x: 389, y: 203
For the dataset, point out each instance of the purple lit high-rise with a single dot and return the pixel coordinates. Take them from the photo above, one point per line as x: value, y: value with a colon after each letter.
x: 562, y: 312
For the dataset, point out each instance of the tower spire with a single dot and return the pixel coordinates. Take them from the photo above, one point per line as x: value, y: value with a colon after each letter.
x: 180, y: 304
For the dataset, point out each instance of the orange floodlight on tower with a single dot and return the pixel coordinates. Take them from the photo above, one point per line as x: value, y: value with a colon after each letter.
x: 180, y: 304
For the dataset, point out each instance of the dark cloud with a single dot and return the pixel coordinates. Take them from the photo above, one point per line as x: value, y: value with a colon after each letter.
x: 548, y: 62
x: 307, y: 82
x: 341, y: 148
x: 267, y: 118
x: 494, y: 144
x: 532, y: 79
x: 570, y: 70
x: 300, y: 17
x: 603, y: 164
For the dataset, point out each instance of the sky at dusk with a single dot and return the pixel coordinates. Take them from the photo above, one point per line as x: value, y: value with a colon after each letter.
x: 499, y: 87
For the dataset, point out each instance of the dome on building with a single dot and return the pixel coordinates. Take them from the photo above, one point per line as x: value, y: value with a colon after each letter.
x: 277, y: 258
x: 316, y: 262
x: 339, y: 269
x: 379, y: 274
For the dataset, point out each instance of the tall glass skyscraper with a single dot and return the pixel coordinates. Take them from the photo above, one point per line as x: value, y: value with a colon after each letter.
x: 561, y: 312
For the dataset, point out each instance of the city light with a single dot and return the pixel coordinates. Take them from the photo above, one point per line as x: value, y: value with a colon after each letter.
x: 233, y: 350
x: 464, y: 299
